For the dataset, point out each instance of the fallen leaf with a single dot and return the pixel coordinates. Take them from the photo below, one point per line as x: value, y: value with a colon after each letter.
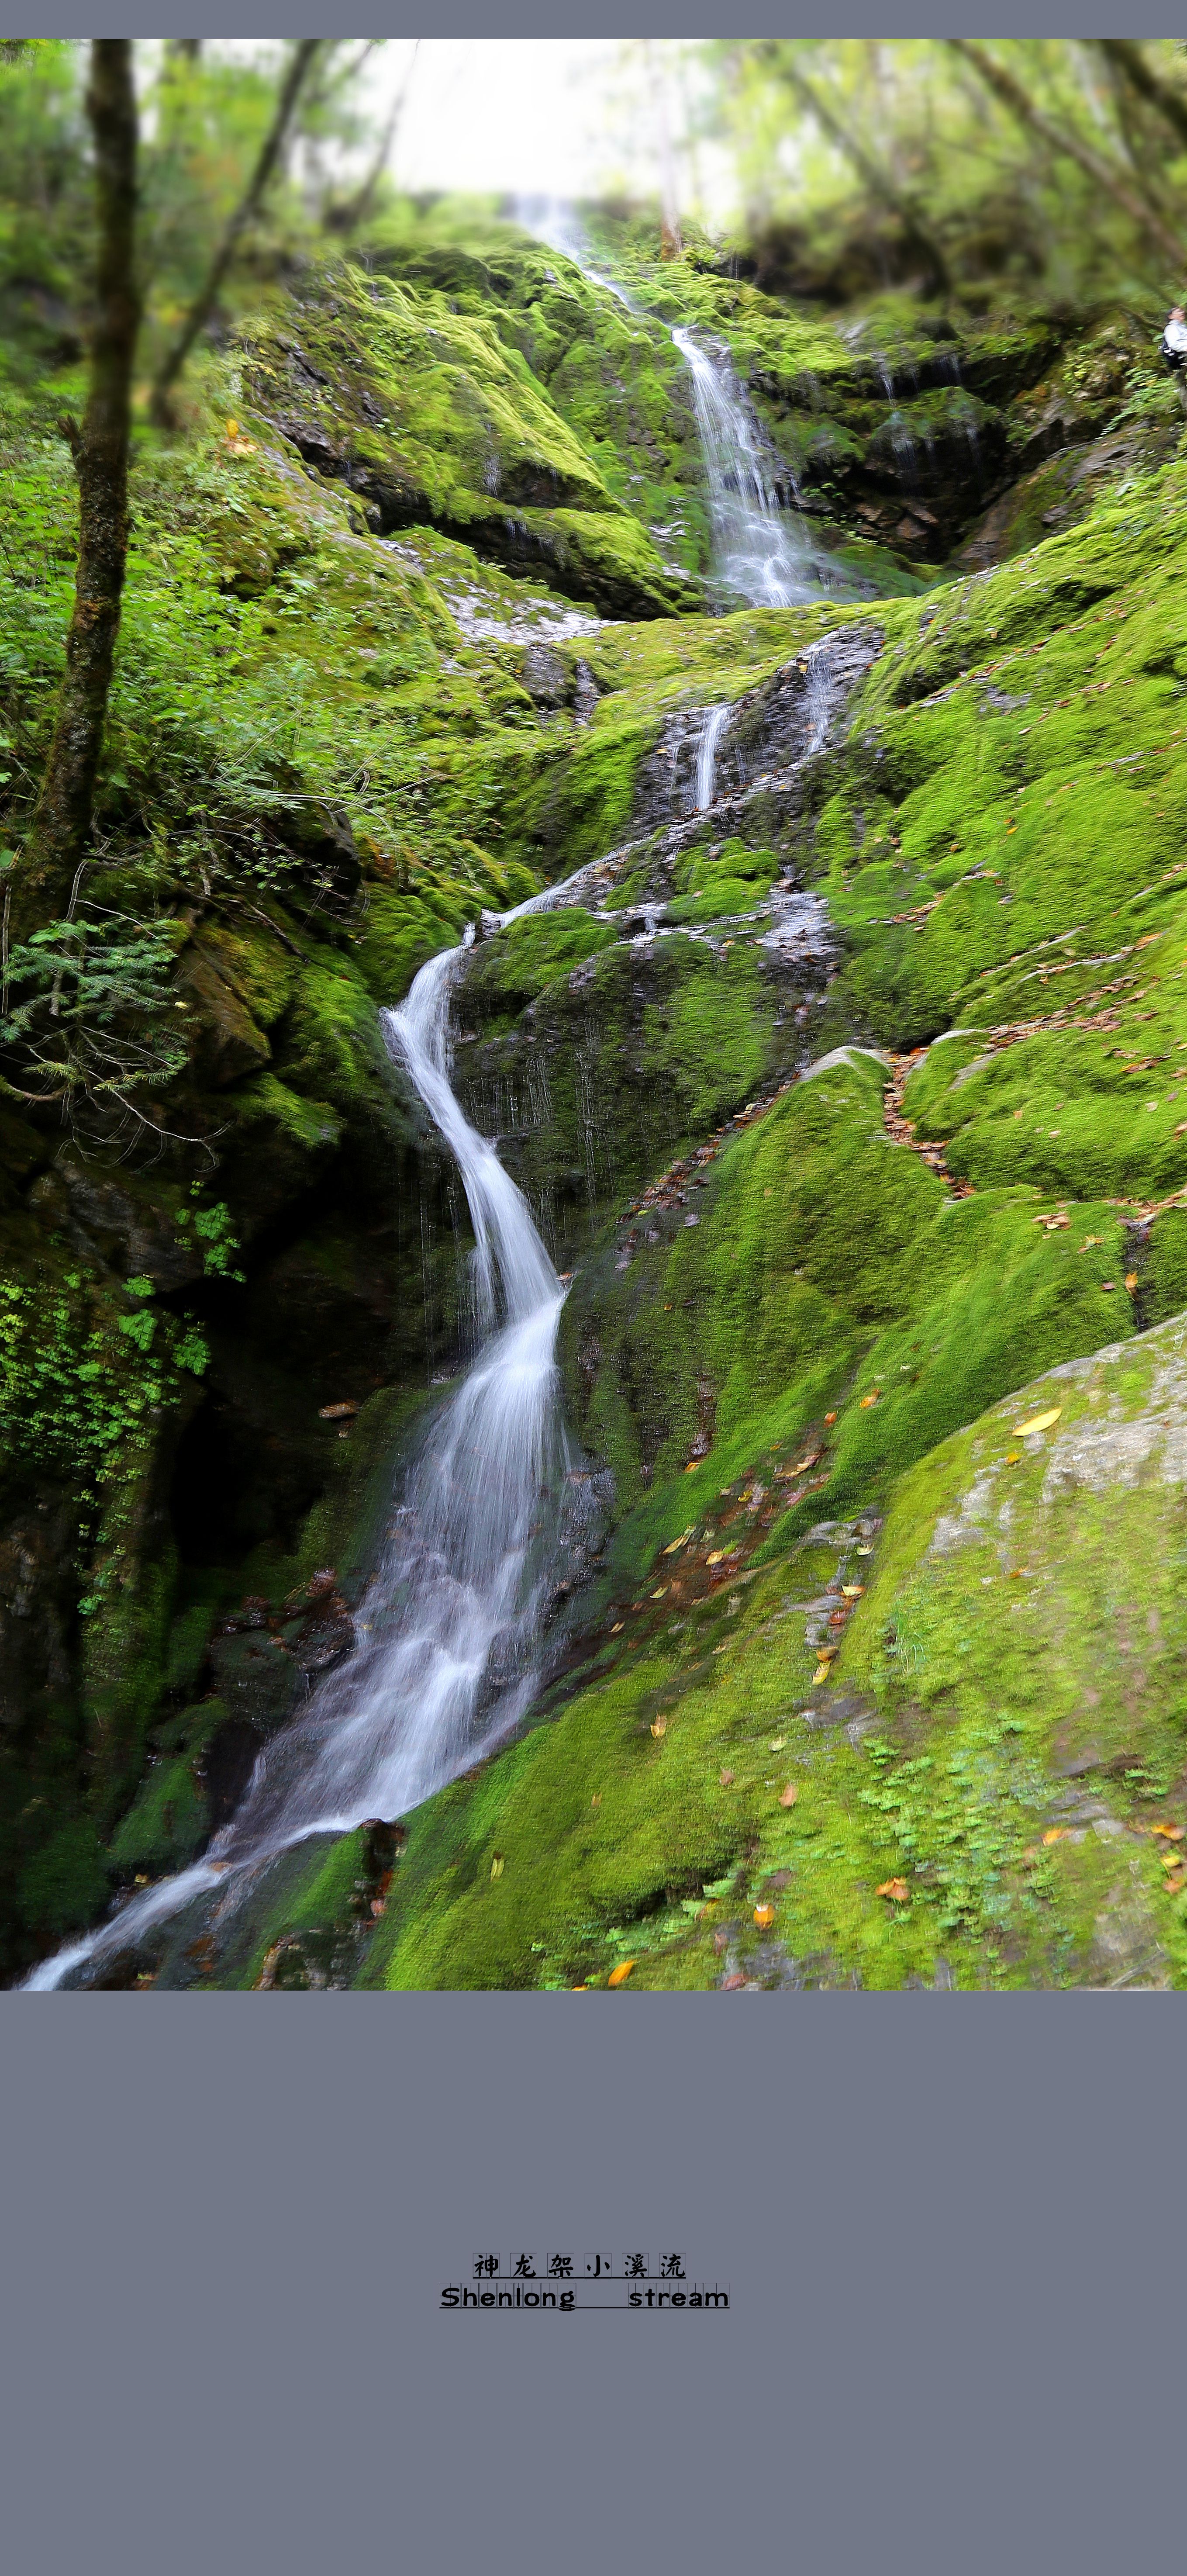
x: 682, y: 1541
x: 777, y: 1744
x: 895, y: 1888
x: 1131, y: 1280
x: 716, y: 1557
x: 764, y: 1916
x: 1013, y: 1457
x: 658, y: 1596
x: 867, y: 1400
x: 659, y: 1726
x: 1108, y: 1284
x: 1054, y: 1833
x: 852, y: 1591
x: 788, y: 1796
x: 618, y: 1976
x: 1090, y: 1240
x: 336, y: 1412
x: 618, y: 1627
x: 497, y: 1865
x: 596, y: 1799
x: 1172, y: 1860
x: 1170, y: 1833
x: 728, y: 1984
x: 726, y: 1779
x: 830, y: 1417
x: 820, y: 1675
x: 1039, y: 1422
x: 232, y: 429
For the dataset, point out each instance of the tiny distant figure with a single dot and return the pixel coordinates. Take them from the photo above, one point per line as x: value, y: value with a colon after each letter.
x: 1174, y: 350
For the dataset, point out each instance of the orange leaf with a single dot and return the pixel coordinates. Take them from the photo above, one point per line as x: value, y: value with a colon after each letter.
x: 618, y: 1976
x: 1131, y: 1280
x: 866, y: 1401
x: 1054, y: 1833
x: 660, y: 1726
x: 1170, y: 1833
x: 895, y: 1888
x: 830, y: 1417
x: 788, y: 1796
x: 764, y: 1916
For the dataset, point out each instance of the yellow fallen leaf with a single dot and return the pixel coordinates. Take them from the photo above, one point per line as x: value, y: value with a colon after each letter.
x: 682, y: 1541
x: 895, y: 1888
x: 1054, y: 1833
x: 232, y: 429
x: 596, y: 1799
x: 1013, y: 1457
x: 764, y: 1916
x: 1172, y: 1860
x: 788, y: 1796
x: 497, y: 1865
x: 1131, y: 1280
x: 1039, y: 1422
x: 1170, y: 1833
x: 716, y: 1557
x: 659, y: 1726
x: 866, y: 1401
x: 852, y: 1591
x: 820, y: 1675
x: 618, y: 1976
x: 617, y: 1628
x: 658, y: 1596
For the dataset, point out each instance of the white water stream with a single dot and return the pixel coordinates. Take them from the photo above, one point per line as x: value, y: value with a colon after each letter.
x: 445, y: 1656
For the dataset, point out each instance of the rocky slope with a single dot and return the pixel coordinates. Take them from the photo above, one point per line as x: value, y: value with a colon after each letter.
x: 415, y: 624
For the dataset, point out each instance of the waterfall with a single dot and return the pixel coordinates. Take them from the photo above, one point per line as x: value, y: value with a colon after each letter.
x: 758, y: 559
x: 445, y: 1661
x: 715, y: 718
x: 756, y: 556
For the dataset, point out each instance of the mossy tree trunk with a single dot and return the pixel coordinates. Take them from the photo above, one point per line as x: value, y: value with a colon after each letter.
x: 62, y: 817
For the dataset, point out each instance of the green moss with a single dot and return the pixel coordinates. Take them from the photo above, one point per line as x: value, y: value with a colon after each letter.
x: 65, y: 1884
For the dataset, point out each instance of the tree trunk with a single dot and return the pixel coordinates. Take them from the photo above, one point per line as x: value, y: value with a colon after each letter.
x: 876, y: 180
x: 1060, y: 139
x: 203, y: 304
x: 62, y: 818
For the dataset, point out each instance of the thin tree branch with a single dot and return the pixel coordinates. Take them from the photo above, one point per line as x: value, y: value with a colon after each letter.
x: 347, y: 217
x: 879, y: 184
x: 1141, y: 76
x: 304, y: 54
x: 1062, y: 140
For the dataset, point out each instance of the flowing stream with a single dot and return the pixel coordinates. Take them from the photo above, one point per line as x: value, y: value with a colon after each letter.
x: 446, y: 1657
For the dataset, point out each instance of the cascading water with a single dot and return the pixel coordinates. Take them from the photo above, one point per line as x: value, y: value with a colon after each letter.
x: 757, y: 557
x: 445, y: 1658
x: 715, y: 718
